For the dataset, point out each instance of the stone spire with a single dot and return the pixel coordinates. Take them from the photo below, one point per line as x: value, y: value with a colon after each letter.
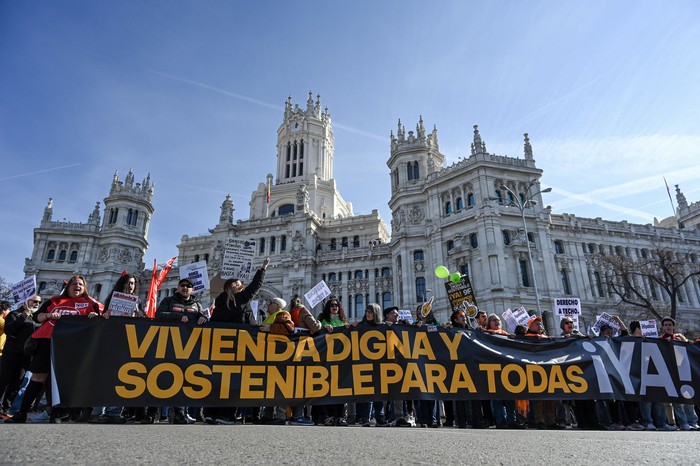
x: 48, y: 211
x: 528, y: 148
x: 680, y: 198
x: 226, y: 217
x: 94, y: 217
x: 478, y: 146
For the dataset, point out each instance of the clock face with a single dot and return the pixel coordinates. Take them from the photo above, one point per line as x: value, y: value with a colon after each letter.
x: 296, y: 127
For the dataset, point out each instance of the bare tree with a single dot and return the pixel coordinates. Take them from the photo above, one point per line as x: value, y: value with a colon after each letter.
x: 5, y: 290
x: 635, y: 281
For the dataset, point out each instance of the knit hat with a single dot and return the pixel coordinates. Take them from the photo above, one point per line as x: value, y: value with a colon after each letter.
x: 280, y: 302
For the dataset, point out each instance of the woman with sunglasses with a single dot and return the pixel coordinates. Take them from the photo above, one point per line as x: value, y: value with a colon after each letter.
x: 331, y: 317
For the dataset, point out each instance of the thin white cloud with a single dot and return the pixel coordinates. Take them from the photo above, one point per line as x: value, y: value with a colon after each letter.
x: 218, y: 90
x: 46, y: 170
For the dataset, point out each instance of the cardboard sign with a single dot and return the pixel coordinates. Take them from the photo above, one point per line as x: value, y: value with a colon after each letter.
x: 317, y: 294
x: 24, y: 290
x: 461, y: 296
x: 122, y: 304
x: 567, y: 306
x: 197, y: 273
x: 238, y: 258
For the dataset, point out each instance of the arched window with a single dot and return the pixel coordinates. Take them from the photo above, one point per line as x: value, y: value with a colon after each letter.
x: 474, y: 240
x: 286, y: 209
x: 283, y: 243
x: 334, y: 244
x: 344, y: 241
x: 332, y: 277
x: 506, y: 237
x: 448, y: 208
x: 470, y: 199
x: 386, y: 299
x: 386, y: 272
x: 273, y: 243
x: 565, y: 281
x: 262, y: 246
x: 558, y: 247
x: 420, y: 289
x: 62, y: 255
x: 460, y: 203
x: 51, y: 255
x: 450, y: 245
x: 499, y: 197
x: 418, y: 255
x: 73, y: 256
x: 359, y: 305
x: 524, y: 277
x: 356, y: 241
x: 358, y: 274
x: 113, y: 214
x: 511, y: 198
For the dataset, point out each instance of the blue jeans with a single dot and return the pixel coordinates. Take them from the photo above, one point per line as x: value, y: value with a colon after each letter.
x: 362, y: 410
x: 653, y: 413
x: 685, y: 414
x: 503, y: 411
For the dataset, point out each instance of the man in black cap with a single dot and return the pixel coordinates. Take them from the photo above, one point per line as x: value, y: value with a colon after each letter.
x: 183, y: 305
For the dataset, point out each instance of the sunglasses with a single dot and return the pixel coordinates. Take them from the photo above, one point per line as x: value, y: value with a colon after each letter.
x: 185, y: 285
x: 35, y: 301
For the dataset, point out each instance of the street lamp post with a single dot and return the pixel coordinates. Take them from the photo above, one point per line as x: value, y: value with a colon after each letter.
x: 522, y: 204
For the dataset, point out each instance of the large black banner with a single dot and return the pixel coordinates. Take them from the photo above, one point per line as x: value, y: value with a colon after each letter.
x: 135, y: 362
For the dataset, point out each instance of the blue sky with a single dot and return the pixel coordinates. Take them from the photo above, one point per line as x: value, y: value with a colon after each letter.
x: 192, y: 92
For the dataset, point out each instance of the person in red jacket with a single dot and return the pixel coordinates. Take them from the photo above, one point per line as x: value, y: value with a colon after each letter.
x: 73, y: 301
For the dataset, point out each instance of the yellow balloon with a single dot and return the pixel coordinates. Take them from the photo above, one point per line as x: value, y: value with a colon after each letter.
x: 442, y: 272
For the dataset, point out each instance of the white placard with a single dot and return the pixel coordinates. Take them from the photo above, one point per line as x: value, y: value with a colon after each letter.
x: 567, y: 306
x: 606, y: 319
x: 317, y: 294
x: 510, y: 320
x: 521, y: 316
x: 197, y: 273
x: 649, y: 328
x: 122, y: 304
x: 25, y: 289
x: 406, y: 315
x: 238, y: 258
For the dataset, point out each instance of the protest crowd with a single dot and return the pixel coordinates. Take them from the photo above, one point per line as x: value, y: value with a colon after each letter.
x: 25, y: 366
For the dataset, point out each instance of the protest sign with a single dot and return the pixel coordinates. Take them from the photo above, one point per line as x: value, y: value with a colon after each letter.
x: 461, y: 296
x: 510, y: 320
x: 567, y: 306
x: 606, y: 319
x: 23, y: 290
x: 649, y: 328
x: 238, y: 258
x: 317, y: 294
x: 122, y: 304
x: 522, y: 316
x: 406, y: 315
x: 197, y: 273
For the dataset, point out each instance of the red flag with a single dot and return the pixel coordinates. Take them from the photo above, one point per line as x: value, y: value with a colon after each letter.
x: 152, y: 291
x: 164, y: 272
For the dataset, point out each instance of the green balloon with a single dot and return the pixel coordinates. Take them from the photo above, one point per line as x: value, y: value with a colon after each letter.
x: 442, y: 272
x: 456, y: 277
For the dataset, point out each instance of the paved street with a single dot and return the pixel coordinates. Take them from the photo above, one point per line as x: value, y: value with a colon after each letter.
x: 253, y: 444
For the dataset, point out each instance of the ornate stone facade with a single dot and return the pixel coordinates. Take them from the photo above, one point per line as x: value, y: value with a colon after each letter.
x: 100, y: 249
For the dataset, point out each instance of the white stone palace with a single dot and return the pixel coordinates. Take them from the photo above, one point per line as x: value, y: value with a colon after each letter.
x: 465, y: 216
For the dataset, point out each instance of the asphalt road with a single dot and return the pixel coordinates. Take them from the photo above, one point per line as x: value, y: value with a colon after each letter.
x: 255, y: 444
